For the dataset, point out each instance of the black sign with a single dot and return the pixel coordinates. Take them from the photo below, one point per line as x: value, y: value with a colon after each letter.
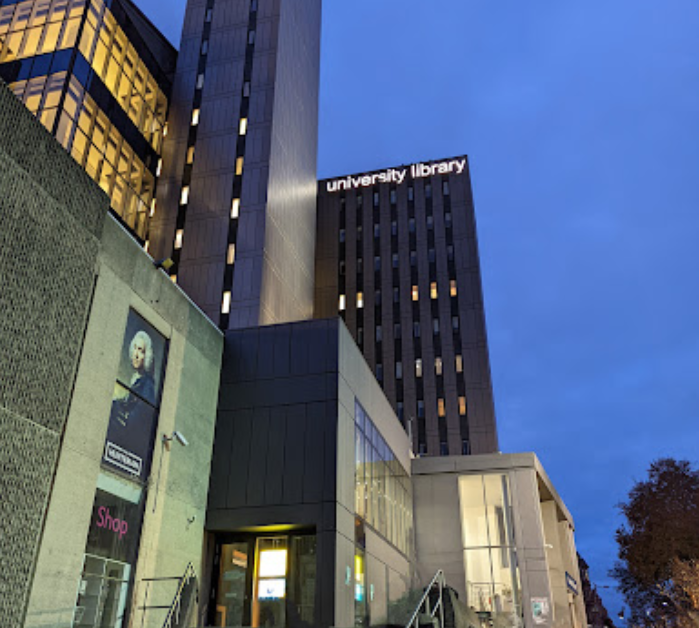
x: 114, y: 528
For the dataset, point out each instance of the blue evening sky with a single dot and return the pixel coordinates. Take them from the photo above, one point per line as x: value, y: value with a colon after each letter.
x: 581, y: 120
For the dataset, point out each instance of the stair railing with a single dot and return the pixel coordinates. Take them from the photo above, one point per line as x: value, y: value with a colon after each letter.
x: 429, y: 608
x: 187, y: 592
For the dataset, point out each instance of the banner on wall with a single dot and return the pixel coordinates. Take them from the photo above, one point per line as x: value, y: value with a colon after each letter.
x: 134, y: 413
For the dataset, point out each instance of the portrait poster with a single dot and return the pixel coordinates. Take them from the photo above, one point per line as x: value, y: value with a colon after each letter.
x: 134, y: 413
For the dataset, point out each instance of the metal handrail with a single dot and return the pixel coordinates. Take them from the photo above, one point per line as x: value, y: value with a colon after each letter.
x: 439, y: 581
x: 176, y: 607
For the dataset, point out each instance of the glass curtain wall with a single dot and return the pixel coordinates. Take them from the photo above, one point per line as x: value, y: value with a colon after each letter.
x: 490, y: 559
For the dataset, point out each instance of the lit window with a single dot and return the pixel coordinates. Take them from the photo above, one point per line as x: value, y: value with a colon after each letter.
x: 418, y: 368
x: 399, y: 370
x: 195, y: 117
x: 153, y: 203
x: 433, y: 290
x: 243, y: 128
x: 173, y: 278
x: 190, y: 155
x: 342, y: 304
x: 452, y: 287
x: 462, y: 406
x: 360, y: 299
x: 239, y: 165
x: 459, y: 364
x: 146, y: 246
x: 179, y: 235
x: 235, y: 208
x: 230, y: 258
x: 184, y: 197
x: 200, y: 81
x: 226, y: 303
x: 441, y: 409
x: 251, y: 37
x: 438, y: 366
x: 272, y: 564
x: 416, y: 293
x: 159, y: 169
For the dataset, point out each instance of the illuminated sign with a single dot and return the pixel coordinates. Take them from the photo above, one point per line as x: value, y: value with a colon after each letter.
x: 272, y: 563
x: 271, y: 589
x: 397, y: 175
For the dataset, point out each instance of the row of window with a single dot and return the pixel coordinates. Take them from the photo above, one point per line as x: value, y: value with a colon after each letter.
x: 414, y: 295
x: 393, y: 195
x: 412, y: 226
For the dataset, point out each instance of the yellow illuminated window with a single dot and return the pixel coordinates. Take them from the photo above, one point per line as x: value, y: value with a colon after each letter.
x: 190, y: 155
x: 243, y: 129
x: 459, y: 364
x: 239, y: 165
x: 179, y: 235
x: 433, y: 290
x: 360, y: 299
x: 230, y: 258
x: 441, y: 409
x: 184, y: 197
x: 342, y: 303
x: 416, y: 293
x: 235, y: 208
x: 272, y: 563
x: 462, y: 406
x: 452, y: 287
x: 195, y: 117
x: 418, y: 368
x: 226, y: 303
x: 438, y: 366
x: 173, y: 278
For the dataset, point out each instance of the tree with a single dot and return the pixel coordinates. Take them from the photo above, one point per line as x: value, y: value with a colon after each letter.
x: 657, y: 570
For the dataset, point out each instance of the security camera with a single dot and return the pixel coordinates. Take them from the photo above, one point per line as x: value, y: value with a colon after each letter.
x: 180, y: 438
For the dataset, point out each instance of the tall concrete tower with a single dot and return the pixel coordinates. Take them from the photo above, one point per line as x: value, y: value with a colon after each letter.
x: 236, y: 201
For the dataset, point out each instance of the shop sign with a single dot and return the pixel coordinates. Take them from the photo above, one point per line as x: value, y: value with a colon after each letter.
x: 114, y: 528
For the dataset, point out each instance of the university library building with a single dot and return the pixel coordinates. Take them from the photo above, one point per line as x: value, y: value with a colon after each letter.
x: 231, y: 394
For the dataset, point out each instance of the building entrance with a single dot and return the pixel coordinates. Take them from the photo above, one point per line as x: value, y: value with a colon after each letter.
x: 265, y: 581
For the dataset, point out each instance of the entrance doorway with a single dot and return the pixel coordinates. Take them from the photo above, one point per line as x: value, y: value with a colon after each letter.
x: 265, y: 581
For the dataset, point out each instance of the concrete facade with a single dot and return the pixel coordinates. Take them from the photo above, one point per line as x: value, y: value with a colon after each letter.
x: 71, y: 276
x: 257, y: 62
x: 543, y: 532
x: 409, y: 247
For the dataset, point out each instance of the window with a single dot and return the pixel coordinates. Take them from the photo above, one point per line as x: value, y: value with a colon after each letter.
x: 360, y: 300
x: 416, y: 329
x: 235, y: 208
x: 190, y: 155
x: 428, y: 190
x: 243, y: 126
x: 239, y: 165
x: 418, y: 368
x: 420, y: 409
x: 246, y: 89
x: 445, y: 188
x: 205, y: 47
x: 342, y: 303
x: 377, y: 230
x: 433, y: 290
x: 379, y: 372
x: 251, y: 37
x: 422, y: 449
x: 435, y: 326
x: 342, y: 267
x: 209, y: 15
x: 399, y: 370
x: 396, y: 331
x: 465, y: 448
x: 360, y: 265
x: 377, y: 263
x: 411, y: 225
x: 396, y: 295
x: 393, y: 197
x: 443, y: 448
x: 441, y: 408
x: 360, y: 336
x: 179, y: 235
x: 462, y: 406
x: 253, y: 6
x: 360, y: 200
x: 184, y: 196
x: 377, y: 297
x: 411, y: 193
x: 450, y: 253
x: 416, y: 293
x: 447, y: 220
x: 452, y: 288
x: 376, y: 199
x: 413, y: 259
x: 195, y: 117
x: 226, y: 303
x: 430, y: 222
x: 360, y: 232
x: 455, y: 323
x: 438, y: 366
x: 431, y: 256
x: 342, y: 235
x: 400, y: 411
x: 379, y: 333
x: 394, y: 260
x: 200, y: 81
x: 459, y: 364
x: 394, y: 228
